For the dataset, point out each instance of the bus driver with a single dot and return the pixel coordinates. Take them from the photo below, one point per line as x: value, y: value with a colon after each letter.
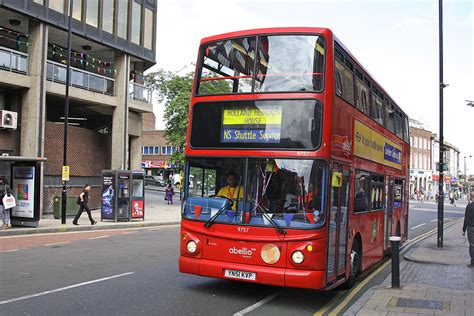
x: 232, y: 191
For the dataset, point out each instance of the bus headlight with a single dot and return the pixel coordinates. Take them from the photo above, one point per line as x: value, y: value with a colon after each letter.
x: 297, y: 257
x: 270, y: 253
x: 191, y: 246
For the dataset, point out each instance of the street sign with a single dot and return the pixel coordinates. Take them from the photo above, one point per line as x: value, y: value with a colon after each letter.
x: 65, y: 174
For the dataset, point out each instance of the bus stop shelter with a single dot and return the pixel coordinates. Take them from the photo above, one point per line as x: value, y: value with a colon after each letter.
x: 24, y: 177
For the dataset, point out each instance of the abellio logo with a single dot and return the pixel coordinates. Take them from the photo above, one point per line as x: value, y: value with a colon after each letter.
x: 245, y: 252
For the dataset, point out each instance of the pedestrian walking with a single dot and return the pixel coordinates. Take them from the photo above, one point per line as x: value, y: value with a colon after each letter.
x: 169, y: 192
x: 4, y: 213
x: 451, y: 198
x: 83, y: 201
x: 469, y: 227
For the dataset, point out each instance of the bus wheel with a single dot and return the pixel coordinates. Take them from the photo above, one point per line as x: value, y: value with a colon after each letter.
x: 355, y: 265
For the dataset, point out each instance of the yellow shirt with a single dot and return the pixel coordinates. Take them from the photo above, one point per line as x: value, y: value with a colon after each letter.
x: 232, y: 193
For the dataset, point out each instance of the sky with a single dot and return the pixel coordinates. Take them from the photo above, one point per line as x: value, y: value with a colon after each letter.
x: 395, y: 40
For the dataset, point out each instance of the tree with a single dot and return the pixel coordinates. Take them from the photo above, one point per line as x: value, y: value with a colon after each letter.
x: 175, y: 90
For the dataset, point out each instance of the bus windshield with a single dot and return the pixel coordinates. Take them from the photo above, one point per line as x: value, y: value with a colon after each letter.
x: 264, y: 63
x: 288, y: 192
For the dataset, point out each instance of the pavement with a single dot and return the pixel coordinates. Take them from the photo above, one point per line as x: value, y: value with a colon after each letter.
x: 433, y: 281
x: 155, y: 215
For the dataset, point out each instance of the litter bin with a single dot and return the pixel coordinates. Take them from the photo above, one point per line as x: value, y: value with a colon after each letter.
x: 71, y: 207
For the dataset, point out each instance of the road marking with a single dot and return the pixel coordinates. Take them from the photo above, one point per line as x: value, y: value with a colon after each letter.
x: 127, y: 233
x: 415, y: 227
x: 436, y: 211
x: 10, y: 250
x: 58, y: 243
x: 62, y: 288
x: 434, y: 220
x: 256, y: 305
x: 99, y: 237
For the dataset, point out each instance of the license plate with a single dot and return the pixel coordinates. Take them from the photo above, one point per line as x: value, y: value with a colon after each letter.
x: 236, y: 274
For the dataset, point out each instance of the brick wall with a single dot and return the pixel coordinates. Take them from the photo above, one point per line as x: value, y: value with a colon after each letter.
x: 148, y: 122
x: 88, y: 152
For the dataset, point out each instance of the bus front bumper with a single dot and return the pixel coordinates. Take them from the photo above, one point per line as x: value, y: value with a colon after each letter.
x: 264, y: 274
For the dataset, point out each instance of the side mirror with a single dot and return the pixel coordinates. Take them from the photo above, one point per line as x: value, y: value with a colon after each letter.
x: 336, y: 180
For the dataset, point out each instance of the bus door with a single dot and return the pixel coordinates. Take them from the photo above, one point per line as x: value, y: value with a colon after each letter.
x: 337, y: 221
x: 388, y: 212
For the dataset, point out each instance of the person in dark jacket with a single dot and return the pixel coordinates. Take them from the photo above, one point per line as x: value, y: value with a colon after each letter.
x: 82, y: 200
x: 4, y: 213
x: 469, y: 227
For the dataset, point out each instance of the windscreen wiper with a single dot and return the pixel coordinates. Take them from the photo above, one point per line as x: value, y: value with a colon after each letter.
x: 211, y: 220
x: 274, y: 224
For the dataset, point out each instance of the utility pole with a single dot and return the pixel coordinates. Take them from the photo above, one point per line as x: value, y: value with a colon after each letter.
x: 66, y: 111
x: 441, y: 135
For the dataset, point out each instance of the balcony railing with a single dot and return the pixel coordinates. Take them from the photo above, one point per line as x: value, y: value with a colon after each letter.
x: 56, y: 72
x: 13, y: 60
x: 139, y: 92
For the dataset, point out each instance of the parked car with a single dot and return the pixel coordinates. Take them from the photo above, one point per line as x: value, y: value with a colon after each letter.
x: 154, y: 180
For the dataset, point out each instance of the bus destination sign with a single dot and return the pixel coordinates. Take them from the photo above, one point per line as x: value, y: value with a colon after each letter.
x: 251, y: 124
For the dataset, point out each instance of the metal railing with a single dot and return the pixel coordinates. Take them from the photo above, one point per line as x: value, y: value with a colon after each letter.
x: 13, y: 60
x: 56, y: 72
x: 139, y: 92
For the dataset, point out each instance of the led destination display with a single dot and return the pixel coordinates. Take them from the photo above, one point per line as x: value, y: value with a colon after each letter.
x: 251, y: 124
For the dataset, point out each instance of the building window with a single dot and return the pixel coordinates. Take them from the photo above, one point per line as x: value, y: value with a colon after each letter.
x: 149, y: 28
x: 136, y: 22
x: 77, y: 10
x: 92, y: 12
x: 169, y: 150
x: 411, y: 140
x: 57, y: 5
x: 362, y: 185
x: 39, y: 1
x: 420, y: 161
x: 415, y: 162
x: 145, y: 150
x: 122, y: 23
x: 157, y: 150
x: 108, y: 16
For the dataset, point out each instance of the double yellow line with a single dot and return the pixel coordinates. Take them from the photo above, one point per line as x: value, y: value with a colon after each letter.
x: 330, y: 308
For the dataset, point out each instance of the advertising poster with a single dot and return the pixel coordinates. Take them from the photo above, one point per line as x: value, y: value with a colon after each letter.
x: 108, y: 194
x: 371, y: 145
x: 23, y: 186
x: 251, y: 125
x: 137, y: 209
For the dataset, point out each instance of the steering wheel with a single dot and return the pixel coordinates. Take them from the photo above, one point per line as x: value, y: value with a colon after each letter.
x: 221, y: 196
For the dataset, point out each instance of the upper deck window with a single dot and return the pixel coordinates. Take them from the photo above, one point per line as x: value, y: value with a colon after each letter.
x: 276, y: 63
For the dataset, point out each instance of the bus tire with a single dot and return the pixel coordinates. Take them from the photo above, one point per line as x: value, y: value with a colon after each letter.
x: 355, y: 264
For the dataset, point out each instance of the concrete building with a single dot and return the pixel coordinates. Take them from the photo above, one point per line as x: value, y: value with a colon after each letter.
x: 156, y: 151
x: 113, y: 43
x: 451, y: 159
x: 421, y: 176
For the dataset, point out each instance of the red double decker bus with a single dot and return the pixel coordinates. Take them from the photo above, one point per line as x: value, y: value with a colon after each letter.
x: 296, y: 162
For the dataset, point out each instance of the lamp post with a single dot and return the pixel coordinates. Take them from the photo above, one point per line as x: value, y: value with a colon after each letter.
x: 66, y: 111
x: 470, y: 103
x: 442, y: 85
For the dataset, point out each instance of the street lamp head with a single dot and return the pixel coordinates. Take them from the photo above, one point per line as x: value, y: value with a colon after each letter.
x: 470, y: 103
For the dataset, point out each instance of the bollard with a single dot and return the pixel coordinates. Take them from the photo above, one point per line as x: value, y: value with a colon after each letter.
x: 395, y: 241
